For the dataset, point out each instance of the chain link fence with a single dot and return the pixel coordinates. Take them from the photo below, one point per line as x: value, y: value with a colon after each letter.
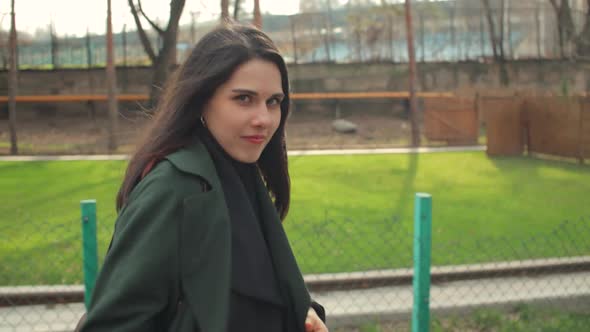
x: 41, y: 274
x: 444, y: 31
x: 360, y: 270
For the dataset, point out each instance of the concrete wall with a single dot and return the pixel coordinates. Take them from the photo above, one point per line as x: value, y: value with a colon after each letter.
x: 466, y: 77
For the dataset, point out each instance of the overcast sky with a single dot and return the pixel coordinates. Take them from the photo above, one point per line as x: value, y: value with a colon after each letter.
x: 75, y: 16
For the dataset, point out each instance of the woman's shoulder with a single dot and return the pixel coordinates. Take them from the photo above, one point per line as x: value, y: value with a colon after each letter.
x: 169, y: 182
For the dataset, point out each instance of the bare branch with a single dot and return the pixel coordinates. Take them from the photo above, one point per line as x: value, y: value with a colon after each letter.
x: 152, y: 23
x: 147, y: 46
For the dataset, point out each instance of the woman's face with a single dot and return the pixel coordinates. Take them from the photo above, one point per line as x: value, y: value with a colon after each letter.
x: 244, y: 112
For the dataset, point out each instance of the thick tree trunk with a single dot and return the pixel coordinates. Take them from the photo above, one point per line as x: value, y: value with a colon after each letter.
x: 224, y: 10
x: 164, y: 61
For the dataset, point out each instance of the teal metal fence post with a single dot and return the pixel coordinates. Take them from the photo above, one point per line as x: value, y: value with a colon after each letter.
x: 422, y: 244
x: 89, y: 247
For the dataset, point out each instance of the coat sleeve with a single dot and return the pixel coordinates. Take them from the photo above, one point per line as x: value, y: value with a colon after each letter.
x: 319, y: 309
x: 137, y: 280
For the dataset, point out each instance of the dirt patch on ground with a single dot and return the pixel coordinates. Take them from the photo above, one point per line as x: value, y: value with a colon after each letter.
x: 80, y: 133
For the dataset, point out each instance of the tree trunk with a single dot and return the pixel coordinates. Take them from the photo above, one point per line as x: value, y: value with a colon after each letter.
x: 257, y: 16
x: 412, y: 78
x: 500, y: 39
x: 12, y: 83
x: 565, y: 24
x: 497, y: 40
x: 504, y: 79
x: 54, y: 47
x: 583, y: 40
x: 164, y: 61
x: 492, y: 30
x: 111, y: 84
x: 224, y: 10
x: 237, y: 4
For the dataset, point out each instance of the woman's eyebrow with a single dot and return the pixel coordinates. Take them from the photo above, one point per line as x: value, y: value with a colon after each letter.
x: 245, y: 91
x: 254, y: 93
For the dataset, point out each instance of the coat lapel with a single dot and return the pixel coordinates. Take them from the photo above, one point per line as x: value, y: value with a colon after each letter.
x: 287, y: 272
x: 205, y: 242
x: 205, y: 259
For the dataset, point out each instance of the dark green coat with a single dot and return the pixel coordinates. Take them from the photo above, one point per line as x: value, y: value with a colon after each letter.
x: 171, y: 235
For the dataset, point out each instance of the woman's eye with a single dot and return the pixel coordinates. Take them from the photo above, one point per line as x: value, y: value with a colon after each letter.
x: 243, y: 98
x: 274, y: 101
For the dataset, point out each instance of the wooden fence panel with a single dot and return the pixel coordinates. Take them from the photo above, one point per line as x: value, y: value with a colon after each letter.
x: 451, y: 119
x: 553, y: 125
x: 585, y: 128
x: 503, y: 125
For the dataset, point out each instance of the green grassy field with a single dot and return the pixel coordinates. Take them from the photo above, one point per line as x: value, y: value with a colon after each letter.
x: 348, y: 213
x: 523, y: 318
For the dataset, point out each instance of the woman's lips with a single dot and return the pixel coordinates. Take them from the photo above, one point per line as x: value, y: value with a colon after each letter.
x: 255, y: 139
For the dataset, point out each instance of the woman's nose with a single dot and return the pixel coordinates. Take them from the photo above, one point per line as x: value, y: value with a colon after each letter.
x: 262, y: 116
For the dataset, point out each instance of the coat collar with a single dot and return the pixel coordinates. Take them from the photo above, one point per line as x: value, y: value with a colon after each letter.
x: 195, y: 159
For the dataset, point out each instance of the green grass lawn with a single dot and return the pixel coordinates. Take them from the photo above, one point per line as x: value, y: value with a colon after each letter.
x: 522, y: 318
x: 348, y: 213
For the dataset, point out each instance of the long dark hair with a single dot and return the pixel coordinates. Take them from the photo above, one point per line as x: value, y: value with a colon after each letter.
x: 177, y: 122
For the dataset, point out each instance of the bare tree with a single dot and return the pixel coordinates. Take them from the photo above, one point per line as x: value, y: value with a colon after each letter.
x: 257, y: 15
x: 12, y: 83
x: 412, y: 78
x: 194, y: 16
x: 565, y: 23
x: 111, y: 83
x: 497, y: 39
x: 54, y: 46
x: 3, y: 45
x: 501, y: 29
x: 163, y: 60
x: 224, y: 10
x: 237, y: 8
x: 583, y: 40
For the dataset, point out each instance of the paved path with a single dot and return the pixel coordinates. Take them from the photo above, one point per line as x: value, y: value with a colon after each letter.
x: 291, y: 153
x: 366, y: 305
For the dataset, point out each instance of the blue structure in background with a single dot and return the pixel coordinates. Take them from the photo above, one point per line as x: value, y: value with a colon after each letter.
x: 438, y: 46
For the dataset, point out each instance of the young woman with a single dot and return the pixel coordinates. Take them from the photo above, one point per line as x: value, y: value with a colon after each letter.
x: 199, y: 244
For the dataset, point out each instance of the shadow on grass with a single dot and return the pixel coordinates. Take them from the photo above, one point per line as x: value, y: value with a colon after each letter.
x: 408, y: 188
x: 510, y: 165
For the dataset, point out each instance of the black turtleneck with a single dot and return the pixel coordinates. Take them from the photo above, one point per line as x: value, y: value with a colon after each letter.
x: 247, y: 172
